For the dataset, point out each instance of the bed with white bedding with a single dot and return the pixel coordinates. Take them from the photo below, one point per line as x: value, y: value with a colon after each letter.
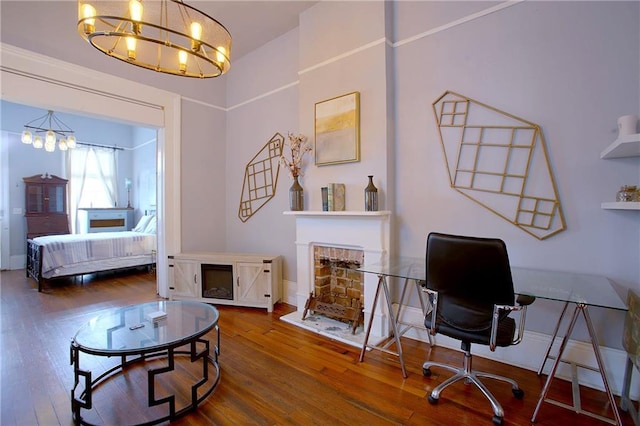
x: 55, y: 256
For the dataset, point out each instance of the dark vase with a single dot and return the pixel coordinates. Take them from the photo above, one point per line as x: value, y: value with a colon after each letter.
x: 296, y: 196
x: 371, y: 197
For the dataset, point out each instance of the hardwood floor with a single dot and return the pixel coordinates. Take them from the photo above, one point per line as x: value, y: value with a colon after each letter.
x: 271, y: 372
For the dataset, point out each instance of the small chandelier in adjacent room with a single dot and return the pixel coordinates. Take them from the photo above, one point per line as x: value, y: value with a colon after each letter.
x: 50, y: 127
x: 167, y: 36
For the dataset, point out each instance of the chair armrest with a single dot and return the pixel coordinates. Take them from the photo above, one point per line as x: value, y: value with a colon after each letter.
x: 522, y: 302
x: 525, y: 299
x: 434, y: 308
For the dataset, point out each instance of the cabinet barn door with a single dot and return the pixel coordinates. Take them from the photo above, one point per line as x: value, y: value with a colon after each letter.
x: 253, y: 284
x: 186, y: 279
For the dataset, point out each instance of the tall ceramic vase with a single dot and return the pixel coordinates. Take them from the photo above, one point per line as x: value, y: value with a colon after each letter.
x: 296, y: 196
x: 371, y: 196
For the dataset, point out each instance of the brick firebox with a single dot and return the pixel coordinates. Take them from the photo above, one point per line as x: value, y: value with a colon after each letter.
x: 336, y: 279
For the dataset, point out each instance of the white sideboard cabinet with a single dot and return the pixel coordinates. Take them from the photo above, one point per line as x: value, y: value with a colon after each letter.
x: 253, y: 280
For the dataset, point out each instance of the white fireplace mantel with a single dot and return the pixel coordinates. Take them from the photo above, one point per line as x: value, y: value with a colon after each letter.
x: 351, y: 213
x: 363, y: 230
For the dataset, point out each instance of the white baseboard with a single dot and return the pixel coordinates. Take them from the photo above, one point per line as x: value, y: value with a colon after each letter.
x: 529, y: 353
x: 18, y: 262
x: 289, y: 290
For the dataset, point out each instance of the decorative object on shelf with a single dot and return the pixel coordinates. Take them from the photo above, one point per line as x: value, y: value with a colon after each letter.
x: 127, y: 184
x: 260, y: 178
x: 51, y: 126
x: 371, y: 196
x: 325, y: 198
x: 337, y: 128
x: 627, y: 193
x: 296, y: 196
x: 627, y: 125
x: 501, y: 162
x: 166, y: 36
x: 298, y: 147
x: 336, y: 197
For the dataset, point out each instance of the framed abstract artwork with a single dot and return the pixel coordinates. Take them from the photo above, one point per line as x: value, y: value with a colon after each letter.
x: 337, y: 130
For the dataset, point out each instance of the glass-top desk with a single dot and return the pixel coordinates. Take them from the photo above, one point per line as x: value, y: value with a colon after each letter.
x: 580, y: 290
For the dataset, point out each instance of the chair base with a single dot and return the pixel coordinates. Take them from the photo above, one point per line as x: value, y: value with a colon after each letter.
x: 471, y: 376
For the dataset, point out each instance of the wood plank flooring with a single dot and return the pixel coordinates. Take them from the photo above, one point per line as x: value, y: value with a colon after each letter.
x: 272, y: 373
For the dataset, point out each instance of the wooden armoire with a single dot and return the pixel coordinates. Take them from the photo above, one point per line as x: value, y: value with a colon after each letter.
x: 46, y: 205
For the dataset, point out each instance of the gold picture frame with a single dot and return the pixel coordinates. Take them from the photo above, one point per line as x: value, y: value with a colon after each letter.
x: 337, y: 130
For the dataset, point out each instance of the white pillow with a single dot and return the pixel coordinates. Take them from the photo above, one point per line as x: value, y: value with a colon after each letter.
x: 151, y: 226
x: 142, y: 223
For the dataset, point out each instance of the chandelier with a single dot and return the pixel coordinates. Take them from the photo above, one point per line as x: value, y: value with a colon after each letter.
x: 51, y: 127
x: 167, y: 36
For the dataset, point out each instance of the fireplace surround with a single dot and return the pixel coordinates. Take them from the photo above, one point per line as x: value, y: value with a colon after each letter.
x: 368, y: 232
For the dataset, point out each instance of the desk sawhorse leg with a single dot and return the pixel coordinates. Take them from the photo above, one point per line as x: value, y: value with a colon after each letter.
x: 394, y: 322
x: 576, y: 407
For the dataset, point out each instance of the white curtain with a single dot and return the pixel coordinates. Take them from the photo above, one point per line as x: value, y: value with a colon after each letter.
x: 92, y: 179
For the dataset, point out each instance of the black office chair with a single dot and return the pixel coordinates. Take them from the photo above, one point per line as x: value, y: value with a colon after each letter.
x: 471, y: 291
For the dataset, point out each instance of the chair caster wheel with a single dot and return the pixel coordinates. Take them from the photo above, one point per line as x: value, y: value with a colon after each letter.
x: 518, y: 393
x: 432, y: 400
x: 426, y: 372
x: 497, y: 420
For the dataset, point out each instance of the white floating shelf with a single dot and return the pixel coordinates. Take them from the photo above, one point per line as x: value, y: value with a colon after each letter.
x: 625, y: 205
x: 625, y: 146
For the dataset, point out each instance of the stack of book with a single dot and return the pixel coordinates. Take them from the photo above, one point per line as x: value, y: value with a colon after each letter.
x: 335, y: 197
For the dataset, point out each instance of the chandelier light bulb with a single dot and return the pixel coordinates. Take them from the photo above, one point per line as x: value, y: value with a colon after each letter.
x: 131, y: 48
x: 182, y: 59
x: 62, y: 144
x: 196, y: 30
x: 71, y: 142
x: 27, y: 137
x: 87, y: 12
x: 196, y: 36
x: 50, y: 146
x: 135, y: 9
x: 221, y: 55
x: 50, y: 138
x: 37, y: 142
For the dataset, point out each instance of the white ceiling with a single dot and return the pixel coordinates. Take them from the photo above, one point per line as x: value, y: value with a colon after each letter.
x: 253, y: 23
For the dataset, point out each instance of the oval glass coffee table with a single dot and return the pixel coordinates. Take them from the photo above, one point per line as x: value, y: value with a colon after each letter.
x: 140, y: 333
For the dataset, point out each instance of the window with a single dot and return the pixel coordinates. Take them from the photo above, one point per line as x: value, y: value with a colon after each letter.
x: 92, y: 181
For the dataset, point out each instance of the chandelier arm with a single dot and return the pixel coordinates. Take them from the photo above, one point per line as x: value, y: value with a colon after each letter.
x: 42, y: 119
x: 63, y: 127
